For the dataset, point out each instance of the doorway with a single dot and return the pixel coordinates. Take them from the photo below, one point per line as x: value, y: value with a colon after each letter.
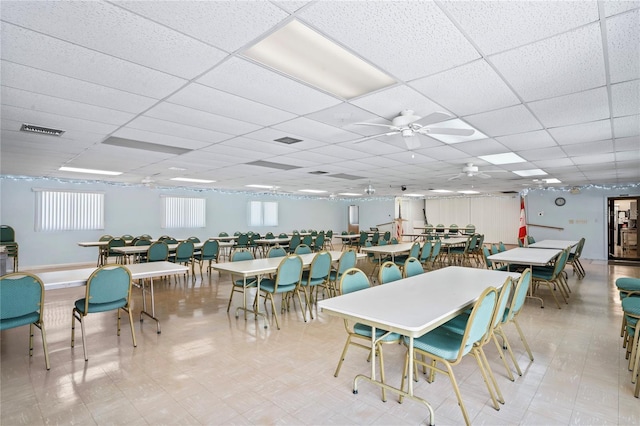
x: 623, y: 228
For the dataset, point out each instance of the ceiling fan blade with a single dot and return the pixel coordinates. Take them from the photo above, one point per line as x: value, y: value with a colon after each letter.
x: 435, y: 117
x: 446, y: 131
x: 412, y: 142
x: 483, y: 175
x: 390, y: 126
x: 458, y: 176
x: 366, y: 138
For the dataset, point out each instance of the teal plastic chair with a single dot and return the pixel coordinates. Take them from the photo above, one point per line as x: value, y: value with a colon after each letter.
x: 359, y: 335
x: 316, y: 277
x: 574, y: 260
x: 103, y: 250
x: 158, y: 252
x: 489, y: 263
x: 347, y: 260
x: 631, y: 310
x: 108, y: 289
x: 307, y: 240
x: 435, y: 254
x: 141, y: 257
x: 241, y: 284
x: 441, y: 345
x: 287, y: 279
x: 389, y: 272
x: 22, y: 303
x: 223, y: 234
x: 413, y: 252
x: 329, y: 238
x: 208, y: 253
x: 184, y: 254
x: 511, y: 313
x: 113, y: 243
x: 552, y: 277
x: 318, y: 244
x: 302, y: 249
x: 269, y: 236
x: 387, y: 236
x: 276, y: 251
x: 294, y: 242
x: 425, y: 253
x: 626, y: 286
x: 376, y: 261
x: 412, y: 266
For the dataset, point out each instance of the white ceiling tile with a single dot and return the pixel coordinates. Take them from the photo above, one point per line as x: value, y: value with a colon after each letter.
x: 131, y: 37
x: 217, y: 102
x: 158, y: 138
x: 45, y: 119
x: 587, y: 148
x: 487, y: 22
x: 623, y: 41
x: 576, y: 108
x: 315, y: 130
x: 628, y: 155
x: 388, y: 103
x: 345, y: 116
x: 467, y: 89
x: 340, y: 152
x: 627, y: 144
x: 39, y: 81
x: 506, y: 121
x: 375, y: 147
x: 626, y: 126
x: 625, y: 98
x: 585, y: 132
x: 291, y: 6
x: 268, y: 147
x: 44, y: 103
x: 542, y: 153
x: 481, y: 147
x: 563, y: 64
x: 601, y: 159
x: 255, y: 82
x: 243, y: 153
x: 176, y: 129
x: 553, y: 163
x: 196, y: 118
x: 615, y: 7
x: 319, y: 159
x: 224, y: 24
x: 270, y: 134
x: 527, y: 140
x: 443, y: 153
x: 431, y: 42
x: 39, y: 51
x: 409, y: 158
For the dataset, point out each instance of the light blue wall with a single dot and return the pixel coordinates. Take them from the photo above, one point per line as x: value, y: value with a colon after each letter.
x: 137, y: 210
x: 583, y: 215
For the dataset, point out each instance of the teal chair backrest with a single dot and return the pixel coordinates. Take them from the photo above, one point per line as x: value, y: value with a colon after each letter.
x: 480, y: 319
x: 307, y: 240
x: 276, y: 252
x: 142, y: 242
x: 302, y: 249
x: 561, y: 262
x: 184, y: 251
x: 501, y: 305
x: 242, y: 240
x: 387, y: 236
x: 426, y: 251
x: 7, y: 234
x: 412, y: 266
x: 170, y: 240
x: 494, y: 249
x: 194, y: 239
x: 283, y: 235
x: 486, y: 254
x: 105, y: 238
x: 209, y: 250
x: 389, y: 272
x: 382, y: 242
x: 294, y: 242
x: 501, y: 246
x: 223, y: 234
x: 375, y: 238
x: 329, y: 234
x: 319, y: 241
x: 347, y: 261
x: 269, y: 236
x: 353, y: 279
x: 320, y: 265
x: 436, y: 250
x: 117, y: 242
x: 363, y: 237
x: 157, y: 252
x: 530, y: 240
x: 21, y: 296
x: 415, y: 250
x: 242, y: 254
x: 108, y: 286
x: 519, y: 295
x: 470, y: 229
x: 289, y: 270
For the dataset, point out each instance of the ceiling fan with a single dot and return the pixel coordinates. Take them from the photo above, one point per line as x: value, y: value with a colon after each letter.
x: 469, y: 170
x: 410, y: 125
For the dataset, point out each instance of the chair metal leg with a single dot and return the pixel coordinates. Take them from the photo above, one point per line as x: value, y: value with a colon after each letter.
x: 488, y: 369
x: 522, y: 338
x: 502, y: 357
x: 44, y: 345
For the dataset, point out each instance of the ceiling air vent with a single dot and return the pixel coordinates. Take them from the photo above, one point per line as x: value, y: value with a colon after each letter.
x: 42, y: 130
x: 509, y: 192
x: 288, y: 140
x: 318, y: 172
x: 272, y: 165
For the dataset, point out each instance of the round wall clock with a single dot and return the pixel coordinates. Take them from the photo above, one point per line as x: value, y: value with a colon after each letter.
x: 560, y: 201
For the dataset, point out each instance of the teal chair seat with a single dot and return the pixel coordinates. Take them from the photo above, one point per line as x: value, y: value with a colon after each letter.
x: 99, y: 307
x: 269, y: 285
x: 365, y: 330
x: 442, y: 342
x: 26, y: 319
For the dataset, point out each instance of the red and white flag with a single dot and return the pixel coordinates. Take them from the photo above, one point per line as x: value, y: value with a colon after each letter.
x: 522, y: 232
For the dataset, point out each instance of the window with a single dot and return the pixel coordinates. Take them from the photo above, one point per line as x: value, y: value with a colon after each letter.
x: 183, y: 212
x: 263, y: 213
x: 68, y: 210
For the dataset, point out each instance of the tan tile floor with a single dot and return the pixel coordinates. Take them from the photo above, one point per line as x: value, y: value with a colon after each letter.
x: 207, y: 367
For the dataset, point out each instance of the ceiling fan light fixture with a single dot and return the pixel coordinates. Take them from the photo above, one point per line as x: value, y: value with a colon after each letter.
x: 370, y: 190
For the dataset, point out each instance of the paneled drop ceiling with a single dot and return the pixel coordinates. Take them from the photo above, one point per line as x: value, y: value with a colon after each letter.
x: 555, y: 82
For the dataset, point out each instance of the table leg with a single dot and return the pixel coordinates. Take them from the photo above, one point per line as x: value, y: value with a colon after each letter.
x: 151, y: 315
x: 256, y: 310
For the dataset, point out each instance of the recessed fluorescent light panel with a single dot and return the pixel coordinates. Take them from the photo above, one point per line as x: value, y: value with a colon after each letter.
x: 179, y: 179
x: 505, y: 158
x: 90, y: 171
x: 458, y: 125
x: 552, y: 180
x: 441, y: 190
x: 41, y: 130
x: 350, y: 194
x: 313, y: 191
x: 531, y: 172
x: 468, y: 192
x: 302, y: 53
x: 260, y: 186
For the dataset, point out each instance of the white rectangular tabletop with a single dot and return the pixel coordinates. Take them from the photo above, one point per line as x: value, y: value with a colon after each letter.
x: 249, y: 268
x: 78, y: 277
x: 526, y: 256
x: 348, y: 236
x: 227, y: 238
x: 391, y: 249
x: 269, y: 241
x: 144, y: 249
x: 554, y: 244
x: 453, y: 241
x: 93, y: 243
x: 413, y: 306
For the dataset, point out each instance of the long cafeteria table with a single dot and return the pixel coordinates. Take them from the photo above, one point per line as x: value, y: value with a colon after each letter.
x: 412, y: 307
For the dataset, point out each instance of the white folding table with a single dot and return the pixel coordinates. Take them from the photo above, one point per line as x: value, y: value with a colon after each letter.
x: 139, y: 271
x: 388, y: 250
x: 412, y: 307
x: 554, y: 244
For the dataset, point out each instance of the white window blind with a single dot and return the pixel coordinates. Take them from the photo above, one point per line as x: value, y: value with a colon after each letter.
x: 68, y: 210
x: 263, y: 213
x: 183, y: 212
